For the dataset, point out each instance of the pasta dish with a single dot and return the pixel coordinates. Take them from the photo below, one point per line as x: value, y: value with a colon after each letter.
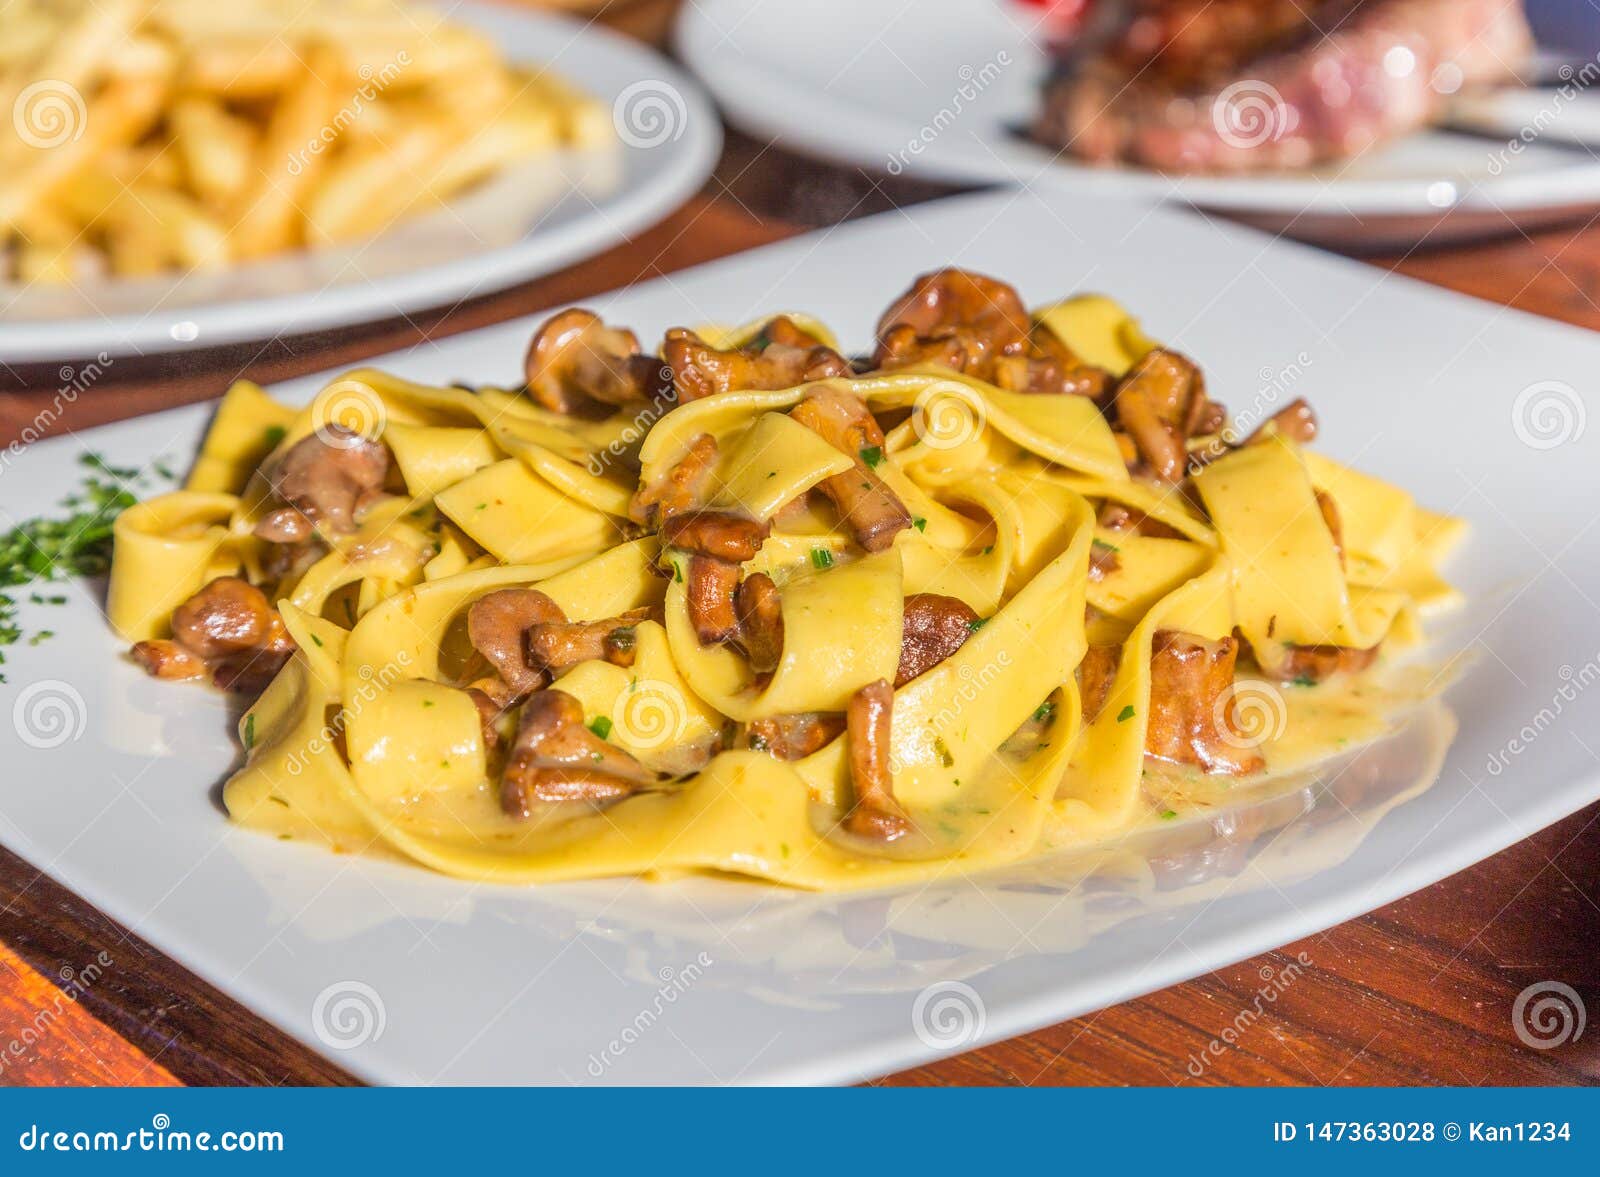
x: 746, y: 604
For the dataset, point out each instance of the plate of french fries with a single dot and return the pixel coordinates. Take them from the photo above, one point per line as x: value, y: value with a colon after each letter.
x: 186, y: 173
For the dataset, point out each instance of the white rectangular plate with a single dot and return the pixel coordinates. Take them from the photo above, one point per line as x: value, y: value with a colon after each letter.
x: 406, y: 977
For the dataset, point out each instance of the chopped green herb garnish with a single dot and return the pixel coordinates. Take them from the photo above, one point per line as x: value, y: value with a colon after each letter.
x: 976, y: 624
x: 821, y: 558
x: 600, y: 726
x: 427, y: 702
x: 677, y: 573
x: 1046, y: 712
x: 316, y: 641
x: 920, y: 523
x: 42, y: 636
x: 872, y: 455
x: 1303, y: 680
x: 943, y: 751
x: 249, y: 731
x: 1168, y: 814
x: 988, y: 549
x: 1100, y: 543
x: 1125, y: 714
x: 272, y: 435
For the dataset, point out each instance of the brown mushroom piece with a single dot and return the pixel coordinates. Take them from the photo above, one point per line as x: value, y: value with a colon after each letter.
x: 972, y: 319
x: 1160, y: 404
x: 700, y: 370
x: 576, y: 364
x: 1116, y: 517
x: 795, y: 736
x: 1296, y: 421
x: 1095, y: 675
x: 868, y: 720
x: 760, y: 612
x: 1329, y: 511
x: 228, y: 616
x: 489, y: 715
x: 328, y: 476
x: 723, y: 534
x: 497, y: 627
x: 1191, y: 719
x: 557, y: 646
x: 166, y: 659
x: 228, y: 628
x: 1049, y: 366
x: 934, y: 628
x: 555, y: 758
x: 711, y: 586
x: 873, y: 512
x: 681, y: 488
x: 1309, y: 665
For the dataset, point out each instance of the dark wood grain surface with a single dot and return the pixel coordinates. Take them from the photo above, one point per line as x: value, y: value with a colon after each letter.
x: 1420, y: 991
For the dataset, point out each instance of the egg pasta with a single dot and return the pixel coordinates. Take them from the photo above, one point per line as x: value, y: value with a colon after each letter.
x: 745, y: 605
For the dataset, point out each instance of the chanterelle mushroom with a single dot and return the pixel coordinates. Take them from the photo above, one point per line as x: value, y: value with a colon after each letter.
x: 1160, y: 404
x: 576, y: 361
x: 326, y: 476
x: 868, y: 719
x: 498, y: 625
x: 871, y: 510
x: 554, y: 758
x: 700, y: 370
x: 1191, y: 714
x: 934, y: 628
x: 954, y: 318
x: 760, y: 622
x: 228, y: 627
x: 682, y: 487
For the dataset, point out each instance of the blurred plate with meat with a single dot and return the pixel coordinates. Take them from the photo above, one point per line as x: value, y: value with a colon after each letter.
x: 1316, y: 112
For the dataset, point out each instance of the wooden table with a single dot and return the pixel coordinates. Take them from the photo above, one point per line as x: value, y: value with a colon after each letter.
x: 1416, y: 992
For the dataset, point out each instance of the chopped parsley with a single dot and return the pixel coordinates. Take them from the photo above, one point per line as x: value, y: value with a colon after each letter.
x: 872, y: 455
x: 1046, y: 712
x: 1168, y: 814
x: 976, y: 624
x: 1125, y: 714
x: 600, y: 726
x: 821, y: 558
x: 273, y: 435
x: 1303, y: 680
x: 76, y: 544
x: 920, y: 523
x: 249, y: 731
x: 943, y: 750
x: 1100, y: 543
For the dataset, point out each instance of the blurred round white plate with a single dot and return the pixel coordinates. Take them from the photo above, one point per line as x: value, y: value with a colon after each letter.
x: 521, y: 224
x: 940, y: 89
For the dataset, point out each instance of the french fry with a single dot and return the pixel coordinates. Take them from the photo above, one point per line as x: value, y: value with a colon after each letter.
x: 122, y: 112
x: 215, y: 147
x: 366, y: 191
x: 583, y: 121
x: 267, y: 215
